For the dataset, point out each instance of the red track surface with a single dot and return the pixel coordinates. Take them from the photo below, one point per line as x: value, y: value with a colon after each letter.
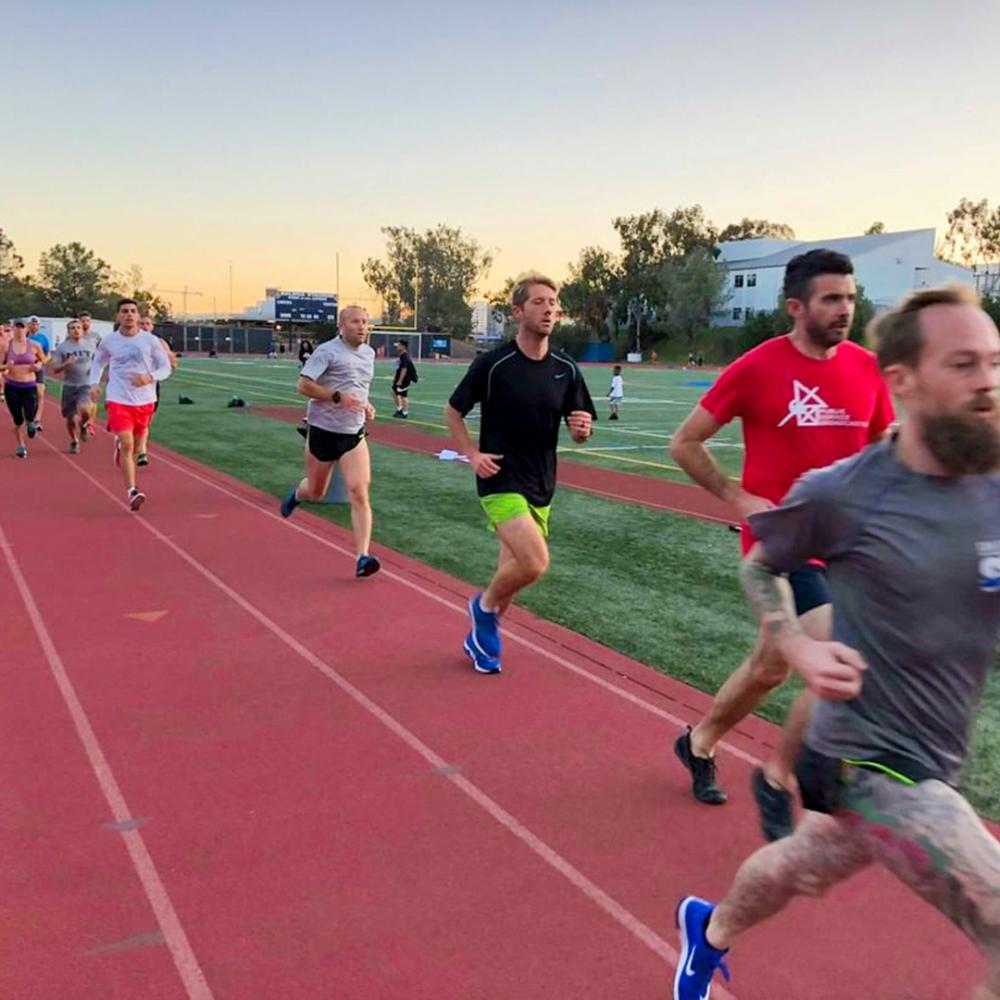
x: 679, y: 498
x: 333, y: 804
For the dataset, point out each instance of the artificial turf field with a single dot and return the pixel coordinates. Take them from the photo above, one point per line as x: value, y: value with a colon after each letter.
x: 659, y: 587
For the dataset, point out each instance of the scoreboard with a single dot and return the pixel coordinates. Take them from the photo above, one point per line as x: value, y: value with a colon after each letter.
x: 305, y: 307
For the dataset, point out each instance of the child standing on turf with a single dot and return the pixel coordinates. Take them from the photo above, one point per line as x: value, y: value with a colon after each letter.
x: 616, y: 394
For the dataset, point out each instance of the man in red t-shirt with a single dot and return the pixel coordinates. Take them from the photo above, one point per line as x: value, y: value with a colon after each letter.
x: 805, y: 400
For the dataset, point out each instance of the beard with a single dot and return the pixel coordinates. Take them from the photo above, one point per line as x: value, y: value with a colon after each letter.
x: 825, y: 335
x: 964, y: 444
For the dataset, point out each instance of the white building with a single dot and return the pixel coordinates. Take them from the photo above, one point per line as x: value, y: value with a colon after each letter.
x: 487, y: 321
x: 480, y: 319
x: 886, y: 266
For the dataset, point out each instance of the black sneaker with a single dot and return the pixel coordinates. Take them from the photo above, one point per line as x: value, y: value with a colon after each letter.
x: 366, y: 566
x: 702, y: 770
x: 289, y: 502
x: 142, y: 458
x: 774, y: 806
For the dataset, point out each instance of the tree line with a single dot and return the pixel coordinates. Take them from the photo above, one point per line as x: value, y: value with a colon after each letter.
x: 70, y: 279
x: 663, y: 281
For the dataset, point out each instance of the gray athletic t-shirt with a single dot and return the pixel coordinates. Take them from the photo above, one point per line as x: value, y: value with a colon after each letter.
x: 336, y: 365
x: 81, y: 353
x: 914, y: 574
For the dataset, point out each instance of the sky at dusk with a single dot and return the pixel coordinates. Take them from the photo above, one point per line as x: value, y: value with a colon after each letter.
x: 183, y: 136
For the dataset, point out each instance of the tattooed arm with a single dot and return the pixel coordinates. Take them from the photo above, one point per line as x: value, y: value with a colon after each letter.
x: 831, y: 670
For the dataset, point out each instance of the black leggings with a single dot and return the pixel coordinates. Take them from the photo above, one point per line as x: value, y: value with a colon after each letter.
x: 22, y: 401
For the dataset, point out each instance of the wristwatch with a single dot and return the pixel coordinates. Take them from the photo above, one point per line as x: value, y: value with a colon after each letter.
x: 335, y: 397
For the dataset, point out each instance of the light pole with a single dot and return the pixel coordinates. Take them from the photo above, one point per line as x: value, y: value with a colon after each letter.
x: 230, y: 289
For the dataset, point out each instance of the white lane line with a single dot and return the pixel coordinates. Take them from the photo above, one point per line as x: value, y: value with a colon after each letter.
x: 166, y: 916
x: 462, y: 610
x: 624, y: 917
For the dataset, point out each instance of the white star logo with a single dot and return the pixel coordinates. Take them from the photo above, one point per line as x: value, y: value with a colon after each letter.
x: 806, y: 406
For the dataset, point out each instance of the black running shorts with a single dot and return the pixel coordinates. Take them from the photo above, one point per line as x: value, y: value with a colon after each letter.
x: 810, y: 588
x: 328, y: 446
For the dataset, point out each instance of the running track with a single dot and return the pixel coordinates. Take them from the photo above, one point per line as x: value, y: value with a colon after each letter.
x: 230, y: 770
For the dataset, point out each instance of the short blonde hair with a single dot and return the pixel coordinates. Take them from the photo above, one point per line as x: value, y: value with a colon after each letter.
x: 895, y: 335
x: 523, y: 283
x: 340, y: 315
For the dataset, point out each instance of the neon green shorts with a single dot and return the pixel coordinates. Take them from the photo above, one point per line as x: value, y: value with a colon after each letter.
x: 501, y: 507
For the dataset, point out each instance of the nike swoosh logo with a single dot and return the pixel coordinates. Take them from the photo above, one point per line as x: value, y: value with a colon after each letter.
x: 688, y: 971
x: 560, y: 376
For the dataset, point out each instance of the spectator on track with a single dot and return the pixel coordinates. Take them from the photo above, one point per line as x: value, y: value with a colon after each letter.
x: 305, y: 352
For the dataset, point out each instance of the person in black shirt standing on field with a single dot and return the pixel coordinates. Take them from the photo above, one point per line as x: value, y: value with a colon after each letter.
x: 404, y: 376
x: 525, y: 390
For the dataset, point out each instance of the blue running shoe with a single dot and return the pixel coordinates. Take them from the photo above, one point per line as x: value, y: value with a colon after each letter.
x: 484, y: 664
x: 289, y: 503
x: 698, y: 959
x: 485, y: 634
x: 367, y: 565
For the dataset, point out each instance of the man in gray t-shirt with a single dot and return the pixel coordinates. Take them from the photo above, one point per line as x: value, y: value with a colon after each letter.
x: 910, y: 530
x: 336, y: 380
x: 72, y: 359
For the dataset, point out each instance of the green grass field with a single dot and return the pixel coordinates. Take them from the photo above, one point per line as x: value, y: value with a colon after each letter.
x: 656, y: 400
x: 659, y: 587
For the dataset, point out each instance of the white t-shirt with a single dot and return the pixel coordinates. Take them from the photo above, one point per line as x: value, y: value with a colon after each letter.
x: 140, y: 354
x: 617, y: 387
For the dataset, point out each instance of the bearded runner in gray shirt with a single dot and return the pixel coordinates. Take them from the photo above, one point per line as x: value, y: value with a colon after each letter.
x: 910, y: 529
x: 336, y: 380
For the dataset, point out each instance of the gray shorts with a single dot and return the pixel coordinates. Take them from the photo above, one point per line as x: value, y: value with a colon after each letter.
x: 73, y: 397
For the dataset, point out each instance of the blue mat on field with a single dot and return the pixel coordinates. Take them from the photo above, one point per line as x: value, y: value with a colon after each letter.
x: 698, y: 383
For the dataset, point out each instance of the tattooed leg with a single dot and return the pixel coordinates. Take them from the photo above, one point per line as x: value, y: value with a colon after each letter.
x: 822, y: 852
x: 931, y: 839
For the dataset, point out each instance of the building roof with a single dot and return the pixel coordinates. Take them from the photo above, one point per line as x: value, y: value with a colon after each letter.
x: 853, y: 246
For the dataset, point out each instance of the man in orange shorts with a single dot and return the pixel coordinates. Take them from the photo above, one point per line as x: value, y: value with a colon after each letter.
x: 135, y: 362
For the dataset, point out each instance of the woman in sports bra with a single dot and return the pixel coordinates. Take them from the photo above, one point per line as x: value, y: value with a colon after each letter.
x: 22, y: 360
